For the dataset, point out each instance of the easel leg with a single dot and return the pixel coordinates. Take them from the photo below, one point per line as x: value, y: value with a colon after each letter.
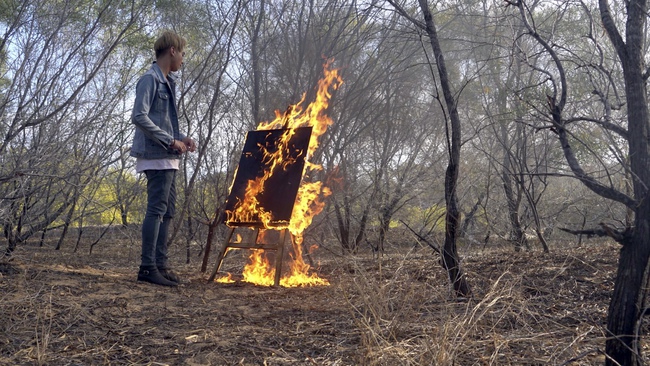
x: 222, y: 253
x: 279, y: 254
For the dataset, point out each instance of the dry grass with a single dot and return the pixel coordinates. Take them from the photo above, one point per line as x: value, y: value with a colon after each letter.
x: 62, y: 308
x: 528, y: 309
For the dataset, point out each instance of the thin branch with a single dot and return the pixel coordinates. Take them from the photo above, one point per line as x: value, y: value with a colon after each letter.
x: 604, y: 124
x: 406, y: 15
x: 422, y: 238
x: 622, y: 236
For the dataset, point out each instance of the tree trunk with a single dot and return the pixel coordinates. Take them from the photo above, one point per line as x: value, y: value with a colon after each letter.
x: 513, y: 200
x: 628, y: 300
x: 470, y: 218
x: 343, y: 224
x: 189, y: 238
x: 124, y: 216
x: 66, y: 224
x: 450, y: 258
x: 79, y: 234
x: 255, y: 64
x: 627, y: 303
x: 42, y: 241
x: 208, y: 246
x: 384, y: 225
x: 362, y: 228
x: 12, y: 242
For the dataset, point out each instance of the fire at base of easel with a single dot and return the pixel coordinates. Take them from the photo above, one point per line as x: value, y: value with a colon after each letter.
x: 266, y: 259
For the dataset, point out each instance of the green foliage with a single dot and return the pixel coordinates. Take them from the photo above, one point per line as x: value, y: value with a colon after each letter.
x: 431, y: 217
x: 99, y: 203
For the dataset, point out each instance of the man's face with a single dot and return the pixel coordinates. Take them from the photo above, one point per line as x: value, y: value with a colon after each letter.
x: 176, y: 58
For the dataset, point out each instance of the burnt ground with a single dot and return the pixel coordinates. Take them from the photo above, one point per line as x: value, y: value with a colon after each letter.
x: 529, y: 308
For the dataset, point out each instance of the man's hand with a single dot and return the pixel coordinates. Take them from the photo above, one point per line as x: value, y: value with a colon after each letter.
x: 190, y: 144
x: 179, y: 146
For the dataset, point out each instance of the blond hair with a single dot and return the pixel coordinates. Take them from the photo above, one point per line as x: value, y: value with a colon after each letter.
x: 167, y: 40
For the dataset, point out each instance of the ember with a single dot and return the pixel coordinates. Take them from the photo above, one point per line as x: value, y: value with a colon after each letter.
x: 272, y: 191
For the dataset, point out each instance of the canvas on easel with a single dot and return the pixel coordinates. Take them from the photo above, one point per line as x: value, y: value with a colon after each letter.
x: 282, y: 186
x: 279, y: 194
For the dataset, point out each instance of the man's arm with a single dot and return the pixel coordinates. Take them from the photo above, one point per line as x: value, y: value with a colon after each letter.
x: 144, y: 96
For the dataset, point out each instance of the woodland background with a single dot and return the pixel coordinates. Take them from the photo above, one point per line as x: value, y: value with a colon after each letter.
x: 68, y: 70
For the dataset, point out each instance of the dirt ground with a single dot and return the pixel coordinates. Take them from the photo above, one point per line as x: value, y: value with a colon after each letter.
x: 529, y: 308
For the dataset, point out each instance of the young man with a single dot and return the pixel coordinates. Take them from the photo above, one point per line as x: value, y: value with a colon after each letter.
x: 158, y: 146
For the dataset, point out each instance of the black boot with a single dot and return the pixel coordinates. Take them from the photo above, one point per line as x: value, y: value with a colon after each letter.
x: 169, y: 274
x: 151, y: 275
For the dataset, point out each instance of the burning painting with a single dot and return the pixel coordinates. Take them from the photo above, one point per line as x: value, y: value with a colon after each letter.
x: 274, y: 187
x: 272, y: 160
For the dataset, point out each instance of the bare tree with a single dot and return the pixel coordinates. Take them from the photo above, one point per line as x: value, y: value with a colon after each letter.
x: 628, y: 299
x: 450, y: 258
x: 52, y: 118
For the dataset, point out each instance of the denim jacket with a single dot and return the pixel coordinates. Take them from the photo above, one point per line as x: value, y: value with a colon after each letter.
x: 155, y: 116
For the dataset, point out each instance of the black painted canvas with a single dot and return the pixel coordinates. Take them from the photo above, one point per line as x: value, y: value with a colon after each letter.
x: 282, y: 187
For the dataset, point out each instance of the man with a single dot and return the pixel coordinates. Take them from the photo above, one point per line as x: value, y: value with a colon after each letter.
x: 158, y: 146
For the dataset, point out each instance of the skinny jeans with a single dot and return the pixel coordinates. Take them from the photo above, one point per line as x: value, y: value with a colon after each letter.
x: 161, y: 206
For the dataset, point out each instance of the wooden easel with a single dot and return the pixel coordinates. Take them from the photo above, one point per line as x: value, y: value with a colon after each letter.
x: 253, y: 244
x: 279, y: 193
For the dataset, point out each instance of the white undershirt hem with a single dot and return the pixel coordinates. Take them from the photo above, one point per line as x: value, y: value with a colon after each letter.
x: 156, y: 164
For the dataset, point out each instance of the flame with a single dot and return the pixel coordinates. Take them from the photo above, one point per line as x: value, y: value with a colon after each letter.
x: 259, y: 270
x: 309, y: 200
x: 299, y: 273
x: 226, y: 279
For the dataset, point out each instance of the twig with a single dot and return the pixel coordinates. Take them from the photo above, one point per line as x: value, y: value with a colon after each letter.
x: 581, y: 356
x: 420, y: 237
